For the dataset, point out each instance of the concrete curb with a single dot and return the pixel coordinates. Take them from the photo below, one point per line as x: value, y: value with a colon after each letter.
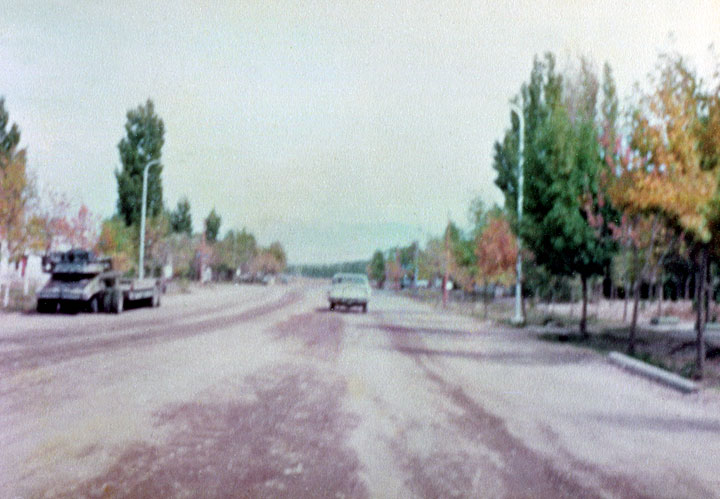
x: 652, y: 372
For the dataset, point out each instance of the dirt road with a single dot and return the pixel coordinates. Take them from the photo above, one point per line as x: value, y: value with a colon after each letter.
x: 262, y: 392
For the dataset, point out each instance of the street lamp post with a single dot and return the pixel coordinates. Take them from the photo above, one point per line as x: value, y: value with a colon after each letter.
x: 519, y: 319
x: 141, y: 263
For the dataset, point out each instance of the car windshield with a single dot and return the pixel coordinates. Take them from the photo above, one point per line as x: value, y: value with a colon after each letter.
x: 349, y: 279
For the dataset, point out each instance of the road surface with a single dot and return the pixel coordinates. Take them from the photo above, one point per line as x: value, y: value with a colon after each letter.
x: 242, y: 391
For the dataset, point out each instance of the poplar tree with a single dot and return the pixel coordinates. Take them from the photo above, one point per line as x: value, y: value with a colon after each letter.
x: 145, y: 136
x: 562, y: 165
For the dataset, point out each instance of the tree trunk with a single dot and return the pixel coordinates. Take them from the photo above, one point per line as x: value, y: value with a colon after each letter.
x: 583, y: 315
x: 660, y: 295
x: 708, y: 288
x: 485, y: 300
x: 598, y: 298
x: 686, y: 295
x: 627, y: 290
x: 633, y: 322
x: 445, y: 289
x: 701, y: 310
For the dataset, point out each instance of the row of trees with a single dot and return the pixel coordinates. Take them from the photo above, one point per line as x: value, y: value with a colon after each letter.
x: 627, y: 195
x: 474, y: 260
x: 610, y: 192
x: 30, y: 222
x: 169, y: 237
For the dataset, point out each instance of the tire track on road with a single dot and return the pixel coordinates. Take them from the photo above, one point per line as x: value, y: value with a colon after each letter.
x: 31, y: 336
x: 525, y: 472
x: 45, y: 355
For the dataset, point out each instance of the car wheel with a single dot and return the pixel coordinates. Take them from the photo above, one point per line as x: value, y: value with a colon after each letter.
x: 364, y: 308
x: 332, y: 305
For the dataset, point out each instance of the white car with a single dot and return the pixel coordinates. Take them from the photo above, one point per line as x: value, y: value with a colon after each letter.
x: 349, y: 290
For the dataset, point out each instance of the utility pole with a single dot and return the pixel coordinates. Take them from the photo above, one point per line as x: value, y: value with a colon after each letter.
x: 519, y: 318
x: 141, y: 263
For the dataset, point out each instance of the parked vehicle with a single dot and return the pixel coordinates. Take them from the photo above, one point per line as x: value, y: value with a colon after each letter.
x: 82, y: 281
x: 349, y: 290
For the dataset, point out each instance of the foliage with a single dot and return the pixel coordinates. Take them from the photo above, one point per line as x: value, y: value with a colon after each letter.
x: 496, y: 252
x: 270, y: 260
x: 212, y: 226
x: 663, y: 170
x: 180, y: 218
x: 433, y: 259
x: 563, y: 169
x: 119, y: 241
x: 17, y: 190
x: 235, y: 251
x: 143, y: 143
x: 376, y: 268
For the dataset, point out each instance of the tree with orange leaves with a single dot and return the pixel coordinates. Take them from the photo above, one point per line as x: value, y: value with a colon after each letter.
x: 16, y: 190
x: 496, y: 252
x: 670, y: 169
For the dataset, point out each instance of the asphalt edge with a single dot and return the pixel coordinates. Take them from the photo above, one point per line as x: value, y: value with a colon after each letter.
x: 654, y: 373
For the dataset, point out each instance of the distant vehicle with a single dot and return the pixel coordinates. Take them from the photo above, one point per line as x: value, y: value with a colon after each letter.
x: 349, y: 290
x: 82, y: 281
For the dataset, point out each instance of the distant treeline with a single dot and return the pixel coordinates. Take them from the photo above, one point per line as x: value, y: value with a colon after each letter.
x: 328, y: 270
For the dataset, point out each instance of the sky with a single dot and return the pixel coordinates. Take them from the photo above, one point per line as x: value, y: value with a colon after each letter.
x: 337, y: 127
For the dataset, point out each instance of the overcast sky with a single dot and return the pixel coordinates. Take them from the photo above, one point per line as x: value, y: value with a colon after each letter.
x: 336, y: 127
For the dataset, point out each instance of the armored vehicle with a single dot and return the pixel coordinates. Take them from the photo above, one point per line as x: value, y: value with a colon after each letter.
x: 80, y: 280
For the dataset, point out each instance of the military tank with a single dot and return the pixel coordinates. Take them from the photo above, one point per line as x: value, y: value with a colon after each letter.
x: 82, y: 281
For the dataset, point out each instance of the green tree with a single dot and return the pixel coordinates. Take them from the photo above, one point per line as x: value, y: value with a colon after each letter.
x: 376, y: 269
x: 562, y: 169
x: 212, y: 226
x: 240, y: 248
x: 9, y: 139
x: 143, y: 142
x: 180, y: 218
x: 462, y: 257
x: 119, y: 241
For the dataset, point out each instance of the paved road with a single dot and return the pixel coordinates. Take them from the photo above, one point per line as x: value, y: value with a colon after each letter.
x: 262, y: 392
